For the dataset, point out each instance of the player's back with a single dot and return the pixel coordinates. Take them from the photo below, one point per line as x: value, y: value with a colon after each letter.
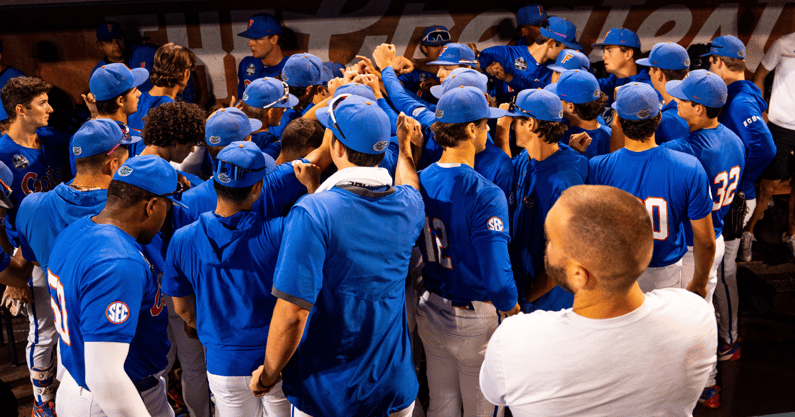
x: 600, y: 139
x: 671, y: 125
x: 672, y: 185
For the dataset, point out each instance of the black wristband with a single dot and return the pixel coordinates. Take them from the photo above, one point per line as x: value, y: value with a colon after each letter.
x: 263, y: 387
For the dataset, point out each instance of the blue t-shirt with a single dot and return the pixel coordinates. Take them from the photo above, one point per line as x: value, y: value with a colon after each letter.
x: 672, y: 185
x: 722, y: 155
x: 280, y: 190
x: 516, y: 60
x: 671, y: 125
x: 228, y: 263
x: 608, y: 85
x: 355, y: 358
x: 42, y: 216
x: 600, y: 139
x: 742, y: 114
x: 465, y: 238
x: 251, y: 68
x: 538, y: 186
x: 104, y: 290
x: 9, y: 73
x: 135, y: 121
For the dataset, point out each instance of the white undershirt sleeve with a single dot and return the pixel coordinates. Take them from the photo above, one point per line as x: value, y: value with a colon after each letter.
x: 110, y: 384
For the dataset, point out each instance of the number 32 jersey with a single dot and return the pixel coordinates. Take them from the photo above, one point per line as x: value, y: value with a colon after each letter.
x: 672, y: 185
x: 102, y: 289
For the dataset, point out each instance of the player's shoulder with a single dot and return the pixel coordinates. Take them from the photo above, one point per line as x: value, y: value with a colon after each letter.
x: 680, y: 304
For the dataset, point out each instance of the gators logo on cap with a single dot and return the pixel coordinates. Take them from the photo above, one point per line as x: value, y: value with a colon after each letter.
x: 215, y: 139
x: 224, y: 178
x: 643, y: 114
x: 741, y: 53
x: 596, y: 93
x: 77, y: 150
x: 566, y: 58
x: 439, y: 113
x: 560, y: 114
x: 250, y: 22
x: 245, y: 96
x: 125, y: 171
x: 380, y: 146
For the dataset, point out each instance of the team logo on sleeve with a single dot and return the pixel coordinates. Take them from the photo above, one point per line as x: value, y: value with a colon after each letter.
x: 125, y: 171
x: 77, y: 150
x: 117, y: 312
x: 520, y: 64
x: 495, y: 224
x: 380, y: 146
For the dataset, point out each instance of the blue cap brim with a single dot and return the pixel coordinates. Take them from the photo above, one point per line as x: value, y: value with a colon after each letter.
x: 467, y: 63
x: 674, y: 88
x: 557, y: 68
x: 551, y: 35
x: 255, y: 124
x: 292, y: 101
x: 495, y: 113
x: 437, y: 91
x: 646, y: 62
x: 133, y: 139
x: 140, y: 76
x: 175, y: 201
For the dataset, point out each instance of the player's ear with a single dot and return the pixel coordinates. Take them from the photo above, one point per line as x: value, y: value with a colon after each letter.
x: 580, y: 278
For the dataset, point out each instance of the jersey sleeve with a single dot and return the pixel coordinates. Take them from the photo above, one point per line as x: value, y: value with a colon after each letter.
x: 700, y: 199
x: 281, y: 189
x: 390, y: 112
x: 773, y: 56
x: 175, y: 282
x: 110, y: 299
x: 302, y: 255
x: 759, y: 146
x: 398, y: 95
x: 489, y: 232
x: 24, y: 226
x: 487, y: 56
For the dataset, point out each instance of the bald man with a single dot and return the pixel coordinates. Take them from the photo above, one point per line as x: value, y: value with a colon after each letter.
x: 618, y: 351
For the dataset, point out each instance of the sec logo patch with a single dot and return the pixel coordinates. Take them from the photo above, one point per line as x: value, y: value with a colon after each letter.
x: 495, y: 224
x: 117, y: 312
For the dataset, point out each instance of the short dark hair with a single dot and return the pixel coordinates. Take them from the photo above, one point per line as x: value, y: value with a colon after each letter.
x: 4, y: 126
x: 449, y: 135
x: 110, y: 106
x: 253, y: 112
x: 300, y: 134
x: 174, y: 123
x: 171, y: 60
x: 22, y: 90
x: 712, y: 112
x: 551, y: 132
x: 674, y: 75
x: 232, y: 194
x: 590, y: 111
x: 733, y: 64
x: 125, y: 195
x: 639, y: 129
x: 636, y: 53
x: 541, y: 39
x: 92, y: 164
x: 360, y: 159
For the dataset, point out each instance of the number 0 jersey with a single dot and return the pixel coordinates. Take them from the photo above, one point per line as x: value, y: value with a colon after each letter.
x: 672, y: 185
x: 103, y: 289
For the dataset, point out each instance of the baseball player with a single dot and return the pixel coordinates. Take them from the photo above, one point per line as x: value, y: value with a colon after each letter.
x: 345, y: 367
x: 742, y: 114
x: 299, y: 139
x: 266, y: 100
x: 14, y: 272
x: 37, y: 156
x: 419, y: 81
x: 267, y: 58
x: 542, y: 170
x: 111, y: 41
x: 219, y: 271
x: 569, y: 59
x: 673, y: 187
x: 172, y: 130
x: 700, y: 97
x: 581, y: 107
x: 459, y: 311
x: 529, y: 21
x: 303, y: 73
x: 620, y: 49
x: 7, y: 72
x: 667, y: 62
x: 107, y: 304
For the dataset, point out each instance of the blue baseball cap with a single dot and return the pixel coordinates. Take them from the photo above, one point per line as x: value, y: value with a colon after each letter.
x: 563, y: 31
x: 456, y: 54
x: 435, y: 35
x: 109, y: 31
x: 150, y: 173
x: 538, y: 104
x: 266, y: 93
x: 620, y: 37
x: 336, y: 68
x: 356, y: 122
x: 465, y: 104
x: 667, y: 55
x: 569, y: 59
x: 99, y: 136
x: 242, y: 164
x: 303, y: 70
x: 728, y: 46
x: 260, y: 26
x: 229, y: 125
x: 458, y: 77
x: 326, y: 76
x: 701, y: 86
x: 531, y: 15
x: 356, y: 89
x: 552, y: 88
x: 6, y: 179
x: 577, y: 86
x: 111, y: 80
x: 636, y: 101
x: 3, y: 114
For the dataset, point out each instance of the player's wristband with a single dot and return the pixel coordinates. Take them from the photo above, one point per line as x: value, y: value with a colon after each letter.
x: 266, y: 388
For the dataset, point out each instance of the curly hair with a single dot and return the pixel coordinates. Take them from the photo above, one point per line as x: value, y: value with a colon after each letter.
x: 173, y: 123
x: 589, y: 111
x: 22, y: 90
x: 171, y: 61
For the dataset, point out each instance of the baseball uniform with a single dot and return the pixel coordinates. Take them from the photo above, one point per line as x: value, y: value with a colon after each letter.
x: 136, y: 120
x: 141, y: 56
x: 671, y: 125
x: 600, y: 139
x: 8, y: 73
x: 251, y: 68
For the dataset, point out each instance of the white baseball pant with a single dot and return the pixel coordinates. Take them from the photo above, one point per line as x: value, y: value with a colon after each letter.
x: 195, y: 389
x: 669, y: 276
x: 76, y: 401
x: 42, y: 338
x: 727, y: 299
x: 234, y: 399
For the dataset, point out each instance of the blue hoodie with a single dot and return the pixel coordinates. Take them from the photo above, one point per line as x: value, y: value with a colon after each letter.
x: 742, y: 114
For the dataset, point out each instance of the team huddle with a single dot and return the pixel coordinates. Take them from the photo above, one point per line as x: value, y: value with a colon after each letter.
x: 551, y: 242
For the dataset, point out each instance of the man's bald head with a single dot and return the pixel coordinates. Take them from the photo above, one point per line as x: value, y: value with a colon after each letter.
x: 607, y: 230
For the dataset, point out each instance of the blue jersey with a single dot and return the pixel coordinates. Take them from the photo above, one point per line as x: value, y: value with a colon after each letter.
x: 228, y: 263
x: 274, y: 149
x: 742, y: 114
x: 465, y: 238
x: 608, y: 85
x: 600, y: 139
x: 136, y: 120
x: 673, y: 186
x: 288, y: 116
x: 516, y: 60
x: 103, y: 289
x: 413, y: 80
x: 263, y: 139
x: 722, y: 155
x: 251, y: 69
x: 280, y: 190
x: 42, y: 216
x: 9, y: 73
x: 355, y: 358
x: 391, y: 157
x: 671, y: 125
x: 538, y: 186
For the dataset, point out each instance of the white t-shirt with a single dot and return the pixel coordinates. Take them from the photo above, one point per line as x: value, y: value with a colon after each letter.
x: 781, y: 57
x: 653, y: 361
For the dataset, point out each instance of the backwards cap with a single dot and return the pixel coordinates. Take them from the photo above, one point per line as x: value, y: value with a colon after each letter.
x: 356, y: 122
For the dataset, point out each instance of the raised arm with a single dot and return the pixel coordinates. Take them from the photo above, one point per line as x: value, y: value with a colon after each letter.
x: 409, y: 135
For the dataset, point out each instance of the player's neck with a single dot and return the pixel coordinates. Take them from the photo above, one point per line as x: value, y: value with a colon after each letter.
x: 123, y: 218
x: 730, y: 77
x: 228, y: 209
x: 640, y: 145
x: 702, y: 123
x: 464, y: 153
x: 24, y: 135
x: 164, y: 91
x: 85, y: 182
x: 538, y: 52
x: 627, y: 70
x: 273, y: 58
x: 666, y: 97
x: 601, y: 305
x: 119, y: 116
x: 289, y: 156
x: 539, y: 150
x: 157, y: 150
x: 575, y: 121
